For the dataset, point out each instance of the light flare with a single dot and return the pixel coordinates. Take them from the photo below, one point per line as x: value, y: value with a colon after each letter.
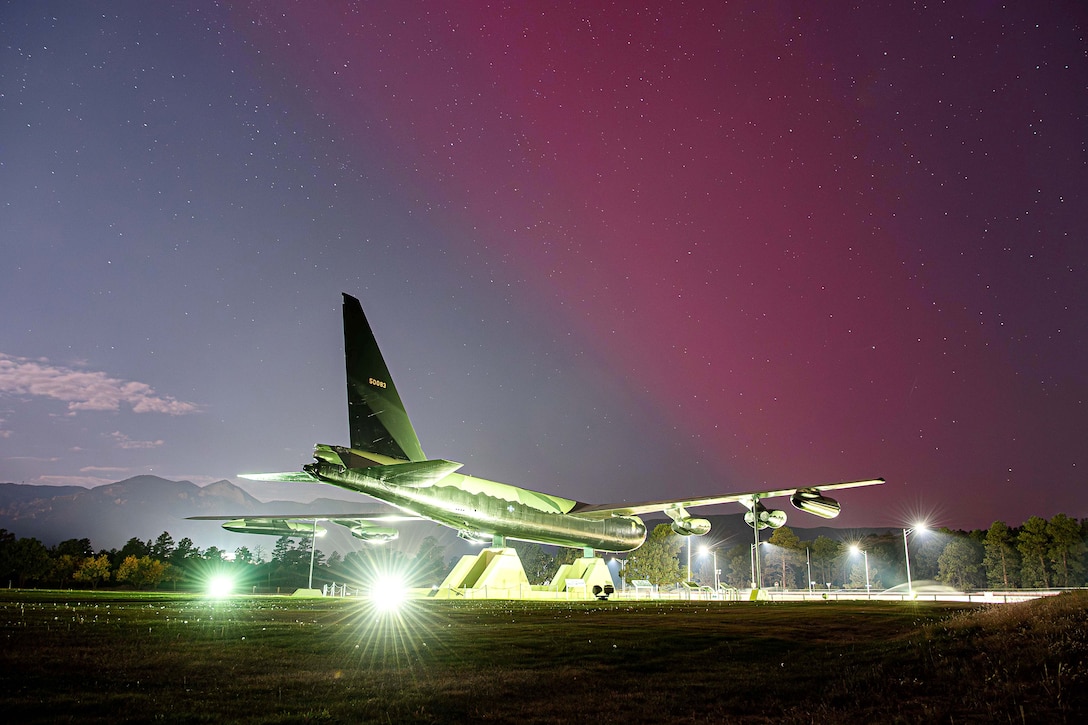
x: 388, y: 593
x: 220, y: 586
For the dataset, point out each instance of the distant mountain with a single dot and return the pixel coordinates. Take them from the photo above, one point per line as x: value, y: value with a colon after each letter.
x: 19, y: 492
x: 144, y: 507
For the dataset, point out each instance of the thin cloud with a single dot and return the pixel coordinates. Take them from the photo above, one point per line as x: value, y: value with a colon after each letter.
x: 123, y: 441
x: 84, y: 389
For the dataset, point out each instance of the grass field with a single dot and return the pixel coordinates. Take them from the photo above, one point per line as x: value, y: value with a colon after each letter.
x: 110, y: 657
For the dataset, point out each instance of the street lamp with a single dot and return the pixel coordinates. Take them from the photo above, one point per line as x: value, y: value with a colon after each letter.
x: 757, y: 575
x: 921, y: 529
x: 689, y: 559
x: 713, y: 550
x: 313, y: 548
x: 855, y: 549
x: 808, y: 562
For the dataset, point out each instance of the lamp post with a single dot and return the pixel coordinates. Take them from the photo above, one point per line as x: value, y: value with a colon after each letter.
x: 752, y: 562
x: 921, y: 529
x: 689, y: 559
x: 855, y: 549
x: 713, y: 551
x: 808, y: 562
x: 313, y: 548
x: 757, y: 575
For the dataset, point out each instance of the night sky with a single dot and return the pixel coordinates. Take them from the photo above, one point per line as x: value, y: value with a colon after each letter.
x: 610, y: 253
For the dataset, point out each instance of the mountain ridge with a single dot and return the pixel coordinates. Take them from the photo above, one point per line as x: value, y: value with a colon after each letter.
x: 143, y: 507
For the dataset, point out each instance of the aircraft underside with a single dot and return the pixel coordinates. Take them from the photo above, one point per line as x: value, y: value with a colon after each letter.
x: 458, y: 501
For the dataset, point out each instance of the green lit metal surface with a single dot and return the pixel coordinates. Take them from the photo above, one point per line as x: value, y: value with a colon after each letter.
x: 287, y: 477
x: 275, y: 527
x: 376, y: 415
x: 386, y: 462
x: 592, y: 510
x: 486, y: 507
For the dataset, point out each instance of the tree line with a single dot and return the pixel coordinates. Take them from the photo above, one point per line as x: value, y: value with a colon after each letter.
x: 163, y: 563
x: 1037, y: 554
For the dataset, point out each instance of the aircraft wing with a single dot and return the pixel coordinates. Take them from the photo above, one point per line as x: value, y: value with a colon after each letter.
x: 371, y: 527
x: 603, y: 511
x: 389, y: 518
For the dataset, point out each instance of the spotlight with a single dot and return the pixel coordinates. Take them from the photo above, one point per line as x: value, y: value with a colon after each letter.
x: 388, y: 593
x: 220, y: 586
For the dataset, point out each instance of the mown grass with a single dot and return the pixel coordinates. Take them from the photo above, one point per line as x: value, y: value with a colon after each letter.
x: 98, y: 657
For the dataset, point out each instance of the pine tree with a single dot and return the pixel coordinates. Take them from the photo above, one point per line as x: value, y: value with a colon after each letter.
x: 134, y: 547
x: 1033, y: 544
x: 184, y: 550
x: 959, y: 564
x: 163, y: 548
x: 737, y: 571
x: 1001, y: 560
x: 824, y: 552
x: 76, y: 548
x: 281, y: 550
x: 783, y: 559
x: 429, y: 565
x: 657, y: 560
x: 539, y: 566
x: 1066, y: 550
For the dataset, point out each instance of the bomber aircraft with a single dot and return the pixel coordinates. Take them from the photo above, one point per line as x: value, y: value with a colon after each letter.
x: 385, y: 461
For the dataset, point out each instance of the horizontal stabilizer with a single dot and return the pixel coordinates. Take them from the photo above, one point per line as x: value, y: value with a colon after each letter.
x: 311, y: 517
x: 288, y: 477
x: 418, y: 474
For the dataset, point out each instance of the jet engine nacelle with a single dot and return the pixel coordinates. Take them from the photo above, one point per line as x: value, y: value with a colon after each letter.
x: 691, y: 527
x: 370, y: 533
x: 274, y: 527
x: 813, y: 502
x: 765, y: 518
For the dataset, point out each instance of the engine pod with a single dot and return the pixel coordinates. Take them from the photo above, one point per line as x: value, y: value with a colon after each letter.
x: 813, y: 502
x: 274, y: 527
x: 764, y: 518
x: 370, y: 533
x: 691, y: 527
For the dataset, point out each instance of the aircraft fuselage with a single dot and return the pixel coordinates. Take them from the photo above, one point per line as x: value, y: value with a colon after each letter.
x: 480, y: 509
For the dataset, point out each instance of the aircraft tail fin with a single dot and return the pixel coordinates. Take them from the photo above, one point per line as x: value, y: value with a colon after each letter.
x: 376, y: 415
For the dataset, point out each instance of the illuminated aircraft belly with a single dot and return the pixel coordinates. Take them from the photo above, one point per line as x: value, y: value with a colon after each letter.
x: 468, y: 504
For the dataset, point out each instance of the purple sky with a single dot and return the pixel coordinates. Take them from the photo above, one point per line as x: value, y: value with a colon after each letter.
x: 610, y: 254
